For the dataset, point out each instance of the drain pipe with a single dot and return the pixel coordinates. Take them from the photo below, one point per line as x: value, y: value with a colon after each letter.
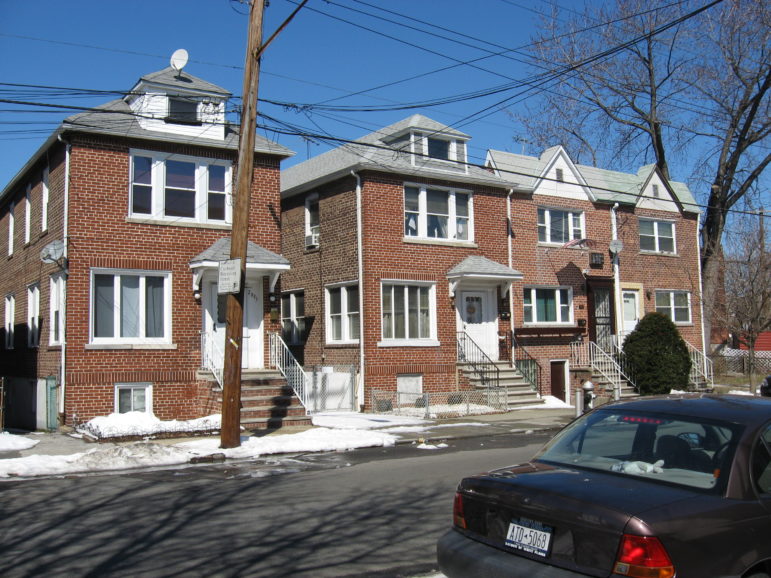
x: 360, y: 263
x: 65, y: 238
x: 617, y: 289
x: 511, y: 258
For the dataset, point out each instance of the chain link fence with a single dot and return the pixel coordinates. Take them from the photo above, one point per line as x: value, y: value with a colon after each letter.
x: 439, y: 404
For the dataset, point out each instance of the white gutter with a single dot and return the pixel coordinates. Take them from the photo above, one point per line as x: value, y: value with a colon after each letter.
x: 511, y: 258
x: 360, y: 259
x: 65, y: 237
x: 616, y: 273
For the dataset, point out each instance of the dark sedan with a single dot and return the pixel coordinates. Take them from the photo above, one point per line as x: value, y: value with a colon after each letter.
x: 654, y: 487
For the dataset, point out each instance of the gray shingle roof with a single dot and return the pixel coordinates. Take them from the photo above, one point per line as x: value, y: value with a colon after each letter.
x: 378, y: 151
x: 478, y: 266
x: 220, y: 251
x: 170, y: 78
x: 607, y: 186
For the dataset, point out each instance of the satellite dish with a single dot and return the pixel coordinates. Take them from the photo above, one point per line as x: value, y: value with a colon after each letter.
x: 616, y: 246
x: 179, y: 60
x: 52, y: 252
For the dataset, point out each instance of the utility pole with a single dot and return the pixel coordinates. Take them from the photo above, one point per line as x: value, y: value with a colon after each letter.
x: 230, y: 432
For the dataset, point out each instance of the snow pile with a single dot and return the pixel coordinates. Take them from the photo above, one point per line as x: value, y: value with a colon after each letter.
x: 13, y: 443
x: 139, y: 423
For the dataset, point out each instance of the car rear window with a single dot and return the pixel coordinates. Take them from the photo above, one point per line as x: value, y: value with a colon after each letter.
x: 663, y: 448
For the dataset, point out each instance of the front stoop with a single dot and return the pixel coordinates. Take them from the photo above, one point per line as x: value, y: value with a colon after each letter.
x: 518, y: 391
x: 267, y: 402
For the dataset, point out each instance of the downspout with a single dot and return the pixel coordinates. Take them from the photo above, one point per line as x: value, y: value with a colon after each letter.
x: 616, y: 273
x: 704, y: 337
x: 65, y: 238
x: 511, y: 260
x: 360, y: 263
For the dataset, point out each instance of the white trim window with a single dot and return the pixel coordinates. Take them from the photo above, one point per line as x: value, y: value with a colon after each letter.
x: 657, y: 236
x: 408, y: 313
x: 56, y: 306
x: 10, y: 315
x: 134, y: 397
x: 342, y: 308
x: 11, y: 227
x: 560, y: 226
x: 130, y: 307
x: 293, y: 317
x: 33, y: 315
x: 180, y: 188
x: 674, y: 304
x: 27, y: 213
x: 44, y: 199
x: 548, y: 306
x: 435, y: 213
x: 312, y: 224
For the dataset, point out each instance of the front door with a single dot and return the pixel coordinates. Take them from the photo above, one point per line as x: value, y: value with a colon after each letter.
x: 601, y: 322
x: 479, y: 322
x: 630, y: 304
x: 251, y: 356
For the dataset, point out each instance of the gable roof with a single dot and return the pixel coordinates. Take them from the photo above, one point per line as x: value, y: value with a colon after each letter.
x: 607, y: 186
x: 219, y: 251
x: 176, y: 81
x: 481, y: 267
x: 378, y: 151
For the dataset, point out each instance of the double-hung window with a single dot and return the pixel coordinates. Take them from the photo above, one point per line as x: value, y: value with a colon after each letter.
x: 657, y: 236
x: 408, y: 312
x: 11, y: 227
x: 343, y: 314
x: 674, y: 304
x: 180, y: 189
x: 433, y: 213
x: 27, y: 214
x: 559, y: 226
x: 130, y: 307
x: 312, y: 226
x: 33, y: 315
x: 10, y: 314
x: 44, y: 198
x: 293, y: 317
x: 56, y: 323
x: 548, y: 305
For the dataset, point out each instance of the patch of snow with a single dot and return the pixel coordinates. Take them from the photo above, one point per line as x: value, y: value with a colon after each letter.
x: 361, y: 421
x: 139, y: 423
x: 548, y: 402
x: 11, y: 443
x: 426, y: 446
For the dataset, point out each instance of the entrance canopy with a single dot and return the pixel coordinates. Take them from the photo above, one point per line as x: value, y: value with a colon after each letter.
x: 476, y: 268
x: 258, y: 260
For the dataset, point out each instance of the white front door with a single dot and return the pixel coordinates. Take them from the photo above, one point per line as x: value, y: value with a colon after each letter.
x: 215, y: 313
x: 478, y: 320
x: 630, y: 305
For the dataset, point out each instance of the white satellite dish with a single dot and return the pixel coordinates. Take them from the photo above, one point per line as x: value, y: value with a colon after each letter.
x: 52, y: 252
x: 179, y: 60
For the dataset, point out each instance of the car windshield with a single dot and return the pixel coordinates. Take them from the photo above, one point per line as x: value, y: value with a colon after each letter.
x: 664, y: 448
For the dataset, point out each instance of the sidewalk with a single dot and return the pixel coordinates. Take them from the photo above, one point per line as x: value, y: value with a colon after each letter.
x: 63, y: 452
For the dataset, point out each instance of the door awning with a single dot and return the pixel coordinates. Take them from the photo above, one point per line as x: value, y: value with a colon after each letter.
x: 258, y: 259
x: 478, y: 268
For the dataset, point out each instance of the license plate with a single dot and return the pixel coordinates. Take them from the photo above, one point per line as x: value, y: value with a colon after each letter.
x: 529, y: 536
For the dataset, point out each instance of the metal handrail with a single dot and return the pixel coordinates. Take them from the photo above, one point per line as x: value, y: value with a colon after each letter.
x: 623, y: 365
x: 479, y: 362
x: 589, y: 354
x: 701, y: 367
x: 283, y: 360
x: 210, y: 353
x: 527, y: 365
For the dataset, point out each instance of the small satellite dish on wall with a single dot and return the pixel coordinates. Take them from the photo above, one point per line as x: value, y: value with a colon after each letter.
x: 52, y: 252
x: 616, y: 246
x: 179, y: 60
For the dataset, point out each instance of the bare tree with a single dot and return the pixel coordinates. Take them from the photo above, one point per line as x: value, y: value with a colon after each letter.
x: 693, y: 85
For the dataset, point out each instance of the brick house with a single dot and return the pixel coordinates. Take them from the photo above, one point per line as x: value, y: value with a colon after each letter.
x: 112, y: 234
x: 405, y: 256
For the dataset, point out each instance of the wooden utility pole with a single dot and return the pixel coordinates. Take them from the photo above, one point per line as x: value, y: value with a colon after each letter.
x: 230, y: 432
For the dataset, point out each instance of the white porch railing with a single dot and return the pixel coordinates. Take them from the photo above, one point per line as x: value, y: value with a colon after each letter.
x: 589, y: 354
x: 701, y: 368
x: 212, y: 356
x: 283, y: 360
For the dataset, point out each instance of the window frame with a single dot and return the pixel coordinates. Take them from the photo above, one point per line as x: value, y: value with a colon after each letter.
x: 431, y: 340
x: 184, y: 117
x: 296, y: 323
x: 348, y: 319
x: 44, y: 199
x: 56, y: 305
x: 312, y: 230
x: 422, y: 213
x: 28, y: 214
x: 671, y: 308
x: 574, y: 233
x: 10, y: 321
x: 11, y: 226
x: 201, y: 191
x: 33, y: 315
x: 141, y: 339
x: 558, y: 306
x: 146, y: 387
x: 656, y: 236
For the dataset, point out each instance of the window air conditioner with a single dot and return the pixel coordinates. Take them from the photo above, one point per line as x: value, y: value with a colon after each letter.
x: 311, y: 240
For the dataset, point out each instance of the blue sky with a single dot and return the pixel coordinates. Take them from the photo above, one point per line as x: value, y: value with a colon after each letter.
x: 108, y: 45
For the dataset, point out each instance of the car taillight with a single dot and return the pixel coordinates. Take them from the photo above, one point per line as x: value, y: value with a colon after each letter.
x: 643, y: 557
x: 457, y: 512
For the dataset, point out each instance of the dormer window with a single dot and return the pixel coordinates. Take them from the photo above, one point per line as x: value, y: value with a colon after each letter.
x: 183, y: 111
x: 439, y: 149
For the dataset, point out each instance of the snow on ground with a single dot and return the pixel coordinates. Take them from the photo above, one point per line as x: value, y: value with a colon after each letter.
x: 12, y: 443
x: 359, y: 421
x: 139, y: 423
